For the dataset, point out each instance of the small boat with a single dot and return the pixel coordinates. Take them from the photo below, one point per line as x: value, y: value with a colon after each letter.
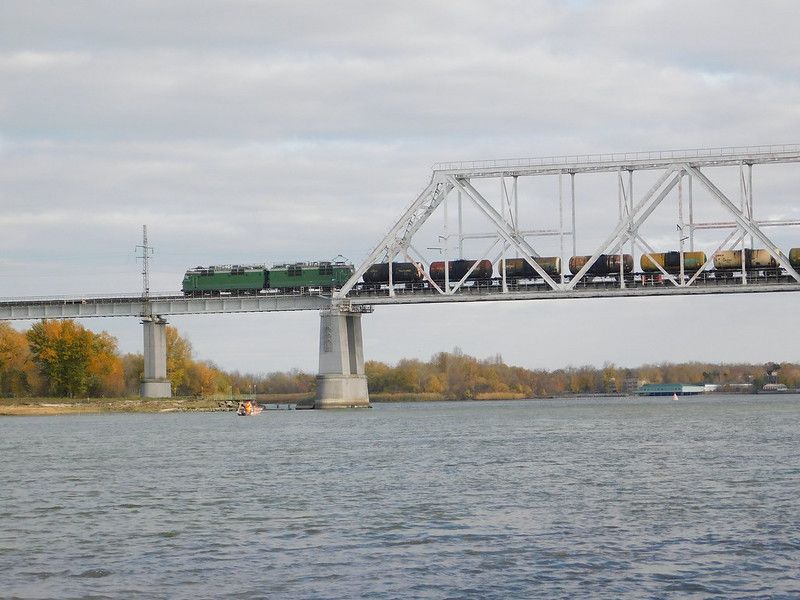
x: 674, y: 396
x: 248, y: 409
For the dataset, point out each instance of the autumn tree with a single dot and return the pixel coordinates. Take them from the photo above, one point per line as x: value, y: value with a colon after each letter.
x: 179, y: 361
x: 612, y: 380
x: 205, y: 379
x: 105, y: 369
x: 406, y: 376
x: 434, y: 383
x: 61, y: 350
x: 377, y: 374
x: 789, y: 374
x: 133, y: 372
x: 293, y: 382
x: 74, y: 361
x: 18, y: 373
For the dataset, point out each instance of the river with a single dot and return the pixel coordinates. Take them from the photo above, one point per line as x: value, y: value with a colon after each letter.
x: 595, y: 498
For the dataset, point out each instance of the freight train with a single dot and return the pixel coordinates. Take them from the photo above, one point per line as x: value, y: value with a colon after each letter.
x: 326, y: 276
x: 256, y: 279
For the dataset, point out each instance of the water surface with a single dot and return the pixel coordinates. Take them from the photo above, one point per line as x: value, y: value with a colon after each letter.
x: 603, y: 498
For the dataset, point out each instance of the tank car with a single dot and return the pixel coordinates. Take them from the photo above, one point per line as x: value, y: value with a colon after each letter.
x: 519, y: 268
x: 731, y: 260
x: 606, y: 264
x: 671, y: 261
x: 459, y: 268
x: 794, y: 257
x: 402, y: 272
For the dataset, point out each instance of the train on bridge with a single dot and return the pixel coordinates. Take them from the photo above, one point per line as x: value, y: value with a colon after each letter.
x: 326, y: 276
x: 252, y: 279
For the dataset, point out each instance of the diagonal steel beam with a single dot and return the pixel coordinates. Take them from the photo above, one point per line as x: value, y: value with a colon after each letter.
x: 457, y: 286
x: 504, y: 195
x: 647, y: 250
x: 620, y: 235
x: 747, y: 224
x: 646, y: 213
x: 418, y: 220
x: 710, y: 259
x: 425, y: 264
x: 401, y: 233
x: 503, y: 228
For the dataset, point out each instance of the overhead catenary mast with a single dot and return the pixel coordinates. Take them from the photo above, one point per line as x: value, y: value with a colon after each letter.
x: 147, y: 251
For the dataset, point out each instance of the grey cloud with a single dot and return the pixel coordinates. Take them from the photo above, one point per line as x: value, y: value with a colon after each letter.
x: 248, y: 131
x: 716, y: 37
x: 158, y: 93
x: 347, y: 27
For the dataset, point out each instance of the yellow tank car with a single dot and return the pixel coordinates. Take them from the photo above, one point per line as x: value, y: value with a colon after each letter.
x: 794, y: 257
x: 753, y: 259
x: 671, y: 261
x: 519, y: 267
x: 606, y: 264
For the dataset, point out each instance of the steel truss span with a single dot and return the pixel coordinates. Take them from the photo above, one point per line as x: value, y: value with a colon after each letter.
x: 682, y: 172
x: 486, y: 277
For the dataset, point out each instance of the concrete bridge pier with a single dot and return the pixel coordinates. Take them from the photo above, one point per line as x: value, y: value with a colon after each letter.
x: 341, y: 382
x: 155, y: 383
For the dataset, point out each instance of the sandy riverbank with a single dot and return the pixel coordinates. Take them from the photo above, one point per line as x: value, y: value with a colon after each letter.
x: 74, y: 406
x: 71, y: 406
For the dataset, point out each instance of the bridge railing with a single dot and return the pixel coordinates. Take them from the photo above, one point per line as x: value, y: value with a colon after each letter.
x: 620, y: 157
x: 87, y: 297
x: 154, y: 296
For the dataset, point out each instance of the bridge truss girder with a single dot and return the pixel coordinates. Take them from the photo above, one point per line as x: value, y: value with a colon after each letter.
x: 679, y: 169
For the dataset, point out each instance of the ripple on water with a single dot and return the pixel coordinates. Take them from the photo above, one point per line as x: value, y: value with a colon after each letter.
x: 555, y: 499
x: 93, y: 573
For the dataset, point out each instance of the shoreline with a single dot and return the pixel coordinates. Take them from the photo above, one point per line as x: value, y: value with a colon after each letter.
x: 27, y: 407
x: 103, y: 405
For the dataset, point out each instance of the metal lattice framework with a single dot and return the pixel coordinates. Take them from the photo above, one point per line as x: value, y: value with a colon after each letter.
x: 680, y: 170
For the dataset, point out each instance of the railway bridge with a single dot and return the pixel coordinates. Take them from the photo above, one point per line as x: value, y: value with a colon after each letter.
x: 444, y: 205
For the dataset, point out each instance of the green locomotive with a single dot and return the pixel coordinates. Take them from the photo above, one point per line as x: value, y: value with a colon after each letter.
x: 237, y: 280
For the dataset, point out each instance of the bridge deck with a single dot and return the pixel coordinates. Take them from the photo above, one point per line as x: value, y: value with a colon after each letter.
x: 363, y: 297
x: 173, y: 304
x: 542, y: 292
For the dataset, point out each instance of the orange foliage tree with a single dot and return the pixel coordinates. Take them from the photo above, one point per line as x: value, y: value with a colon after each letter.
x: 133, y: 371
x: 61, y: 350
x: 18, y: 373
x: 205, y: 379
x: 105, y: 369
x: 74, y: 361
x: 179, y: 361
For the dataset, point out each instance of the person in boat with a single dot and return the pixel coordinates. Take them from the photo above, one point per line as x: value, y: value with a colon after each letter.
x: 248, y: 407
x: 240, y: 409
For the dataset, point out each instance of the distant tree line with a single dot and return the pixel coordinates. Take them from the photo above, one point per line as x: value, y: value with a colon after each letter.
x: 61, y: 358
x: 454, y: 375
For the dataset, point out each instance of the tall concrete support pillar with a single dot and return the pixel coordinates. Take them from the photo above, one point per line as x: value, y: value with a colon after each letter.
x: 155, y: 383
x: 341, y: 382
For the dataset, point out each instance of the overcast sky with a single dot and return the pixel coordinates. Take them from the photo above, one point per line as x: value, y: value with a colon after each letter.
x: 244, y: 131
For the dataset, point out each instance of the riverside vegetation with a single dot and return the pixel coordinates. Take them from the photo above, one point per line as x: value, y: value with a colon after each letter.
x: 62, y: 359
